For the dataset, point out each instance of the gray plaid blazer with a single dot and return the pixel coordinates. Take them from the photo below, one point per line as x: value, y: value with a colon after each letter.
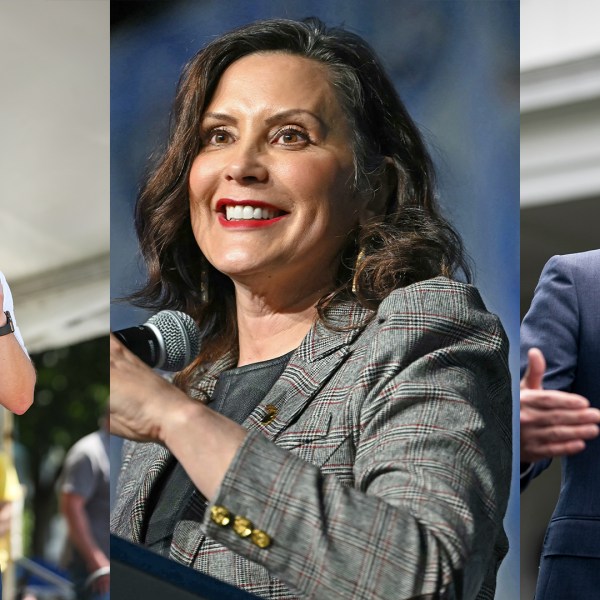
x: 379, y: 463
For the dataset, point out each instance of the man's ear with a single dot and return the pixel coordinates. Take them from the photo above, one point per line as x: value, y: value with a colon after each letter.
x: 384, y: 183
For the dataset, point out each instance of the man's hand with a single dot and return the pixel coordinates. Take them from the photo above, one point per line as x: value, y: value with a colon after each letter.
x: 553, y: 423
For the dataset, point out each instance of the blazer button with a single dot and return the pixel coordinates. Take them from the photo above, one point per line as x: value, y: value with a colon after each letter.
x: 260, y: 538
x: 271, y: 414
x: 242, y: 526
x: 220, y: 515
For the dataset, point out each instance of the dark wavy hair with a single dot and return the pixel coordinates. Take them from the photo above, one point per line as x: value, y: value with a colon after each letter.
x: 408, y: 242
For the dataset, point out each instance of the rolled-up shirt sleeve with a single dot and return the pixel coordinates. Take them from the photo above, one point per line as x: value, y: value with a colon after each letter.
x: 9, y: 306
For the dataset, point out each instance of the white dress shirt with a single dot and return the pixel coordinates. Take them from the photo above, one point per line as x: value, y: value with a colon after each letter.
x: 8, y: 305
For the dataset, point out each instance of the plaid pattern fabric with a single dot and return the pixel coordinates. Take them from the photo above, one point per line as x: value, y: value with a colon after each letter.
x: 386, y: 470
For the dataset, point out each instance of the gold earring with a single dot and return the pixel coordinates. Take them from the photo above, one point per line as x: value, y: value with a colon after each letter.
x: 204, y: 282
x: 359, y: 259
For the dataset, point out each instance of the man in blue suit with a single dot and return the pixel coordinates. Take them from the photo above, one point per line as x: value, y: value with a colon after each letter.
x: 560, y: 398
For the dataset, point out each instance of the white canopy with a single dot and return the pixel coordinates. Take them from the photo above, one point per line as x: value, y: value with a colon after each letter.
x: 54, y: 167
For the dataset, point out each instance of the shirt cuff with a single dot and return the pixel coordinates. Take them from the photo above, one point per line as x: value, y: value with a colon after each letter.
x: 527, y: 471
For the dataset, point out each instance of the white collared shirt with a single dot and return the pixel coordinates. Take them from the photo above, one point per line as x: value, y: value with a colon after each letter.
x: 8, y: 305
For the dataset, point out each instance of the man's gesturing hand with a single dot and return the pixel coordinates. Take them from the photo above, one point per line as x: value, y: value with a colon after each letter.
x: 552, y: 423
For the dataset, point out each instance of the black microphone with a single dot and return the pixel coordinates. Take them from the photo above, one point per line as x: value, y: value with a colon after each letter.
x: 170, y: 340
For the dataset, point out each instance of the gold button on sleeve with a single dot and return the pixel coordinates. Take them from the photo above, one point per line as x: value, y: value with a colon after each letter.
x: 220, y: 515
x: 260, y: 538
x: 242, y: 526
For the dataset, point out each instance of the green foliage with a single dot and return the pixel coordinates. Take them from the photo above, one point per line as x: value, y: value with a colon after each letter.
x: 71, y: 396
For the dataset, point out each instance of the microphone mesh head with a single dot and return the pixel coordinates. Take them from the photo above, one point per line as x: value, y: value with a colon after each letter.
x: 181, y: 338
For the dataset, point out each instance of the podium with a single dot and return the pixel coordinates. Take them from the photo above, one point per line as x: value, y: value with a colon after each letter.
x: 135, y: 572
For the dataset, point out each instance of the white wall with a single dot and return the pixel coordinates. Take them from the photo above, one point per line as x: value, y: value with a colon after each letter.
x: 554, y: 31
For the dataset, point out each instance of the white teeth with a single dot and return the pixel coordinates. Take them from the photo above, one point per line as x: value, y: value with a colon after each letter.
x: 246, y: 213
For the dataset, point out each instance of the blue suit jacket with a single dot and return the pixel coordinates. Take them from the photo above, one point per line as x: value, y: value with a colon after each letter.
x: 564, y: 322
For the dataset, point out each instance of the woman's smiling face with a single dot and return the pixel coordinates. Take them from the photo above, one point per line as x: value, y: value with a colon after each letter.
x: 271, y: 192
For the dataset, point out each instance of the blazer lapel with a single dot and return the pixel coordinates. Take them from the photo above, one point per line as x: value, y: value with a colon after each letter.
x: 310, y: 367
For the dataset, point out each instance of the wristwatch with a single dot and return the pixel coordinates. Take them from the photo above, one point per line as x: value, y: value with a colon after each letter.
x: 9, y: 327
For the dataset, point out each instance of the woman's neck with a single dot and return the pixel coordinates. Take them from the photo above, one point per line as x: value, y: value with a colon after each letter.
x: 268, y: 327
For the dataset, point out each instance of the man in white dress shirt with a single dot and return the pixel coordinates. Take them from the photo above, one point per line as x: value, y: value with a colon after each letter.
x: 17, y: 375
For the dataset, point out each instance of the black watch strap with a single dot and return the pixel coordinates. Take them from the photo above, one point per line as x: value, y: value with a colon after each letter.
x: 9, y: 327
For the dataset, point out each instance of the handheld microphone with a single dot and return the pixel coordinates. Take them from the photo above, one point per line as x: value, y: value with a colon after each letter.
x: 170, y: 340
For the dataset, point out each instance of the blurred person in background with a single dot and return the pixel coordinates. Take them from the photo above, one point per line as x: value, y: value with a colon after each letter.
x: 17, y: 375
x: 560, y: 412
x: 360, y: 392
x: 84, y: 489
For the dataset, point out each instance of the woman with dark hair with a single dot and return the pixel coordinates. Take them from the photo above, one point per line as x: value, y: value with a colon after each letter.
x: 359, y: 440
